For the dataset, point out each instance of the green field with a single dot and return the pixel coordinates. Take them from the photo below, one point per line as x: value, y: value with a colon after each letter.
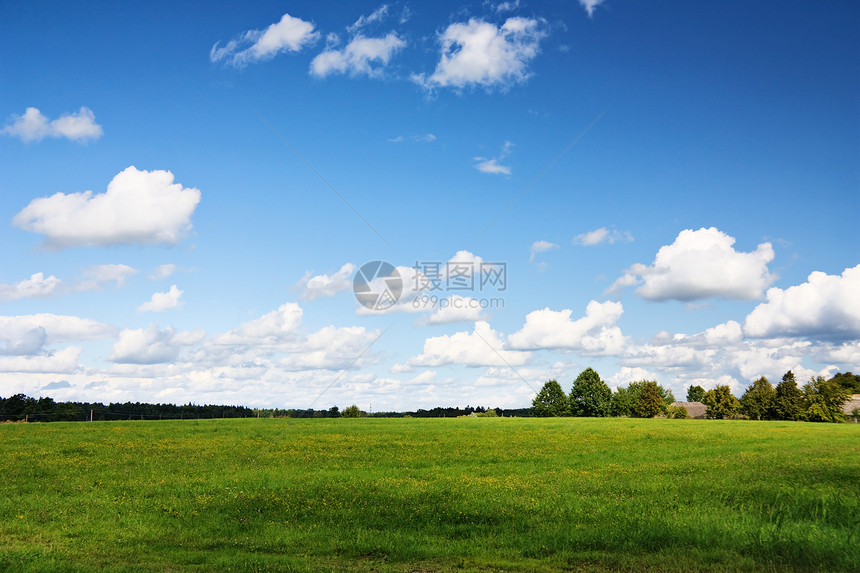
x: 466, y: 494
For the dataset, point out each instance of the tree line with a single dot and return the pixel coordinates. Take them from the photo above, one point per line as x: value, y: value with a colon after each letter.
x: 820, y: 400
x: 20, y: 407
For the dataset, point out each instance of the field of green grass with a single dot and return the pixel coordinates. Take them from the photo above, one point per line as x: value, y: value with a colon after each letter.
x: 466, y: 494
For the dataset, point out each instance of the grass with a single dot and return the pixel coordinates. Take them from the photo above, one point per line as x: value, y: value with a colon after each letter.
x: 425, y: 495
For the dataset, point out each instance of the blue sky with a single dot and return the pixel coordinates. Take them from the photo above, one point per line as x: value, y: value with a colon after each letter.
x: 189, y: 188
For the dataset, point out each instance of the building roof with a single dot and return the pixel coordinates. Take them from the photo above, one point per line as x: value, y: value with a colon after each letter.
x: 694, y: 409
x: 853, y: 402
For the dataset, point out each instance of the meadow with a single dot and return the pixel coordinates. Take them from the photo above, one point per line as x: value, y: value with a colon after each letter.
x: 422, y: 495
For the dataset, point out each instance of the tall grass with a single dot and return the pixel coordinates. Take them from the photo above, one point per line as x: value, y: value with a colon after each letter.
x: 429, y: 495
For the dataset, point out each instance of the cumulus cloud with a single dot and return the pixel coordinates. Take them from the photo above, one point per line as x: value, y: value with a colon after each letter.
x: 596, y: 333
x: 62, y: 361
x: 290, y: 34
x: 602, y: 235
x: 456, y: 308
x: 482, y: 347
x: 540, y: 247
x: 40, y: 286
x: 162, y: 301
x: 272, y: 328
x: 361, y: 57
x: 33, y: 126
x: 478, y: 53
x: 322, y: 286
x: 29, y: 334
x: 826, y: 305
x: 590, y: 5
x: 139, y: 207
x: 37, y: 286
x: 701, y: 264
x: 152, y: 345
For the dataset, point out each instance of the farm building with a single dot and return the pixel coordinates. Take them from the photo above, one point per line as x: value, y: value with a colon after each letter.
x: 852, y: 404
x: 694, y: 409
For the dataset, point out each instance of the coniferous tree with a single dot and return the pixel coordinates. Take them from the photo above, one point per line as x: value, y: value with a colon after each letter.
x: 757, y: 403
x: 788, y: 399
x: 550, y: 401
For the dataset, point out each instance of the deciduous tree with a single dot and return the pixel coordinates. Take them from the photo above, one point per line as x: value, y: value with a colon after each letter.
x: 351, y: 412
x: 590, y: 396
x: 721, y: 403
x: 650, y: 402
x: 823, y: 400
x: 695, y: 394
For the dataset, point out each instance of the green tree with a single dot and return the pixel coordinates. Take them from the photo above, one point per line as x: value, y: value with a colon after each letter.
x: 622, y: 402
x: 788, y: 399
x: 550, y: 401
x: 351, y: 412
x: 823, y: 400
x: 695, y: 394
x: 650, y: 402
x: 678, y: 412
x: 590, y: 396
x: 758, y: 401
x: 721, y: 403
x: 849, y: 381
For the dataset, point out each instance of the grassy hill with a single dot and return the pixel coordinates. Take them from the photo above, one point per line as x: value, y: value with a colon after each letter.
x: 473, y: 494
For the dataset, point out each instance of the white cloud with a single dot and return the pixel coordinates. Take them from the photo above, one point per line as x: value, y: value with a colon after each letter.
x: 590, y: 5
x: 456, y: 308
x: 507, y: 6
x: 376, y: 16
x: 29, y: 334
x: 62, y: 361
x: 627, y: 375
x: 701, y: 264
x: 270, y: 329
x: 139, y: 207
x: 152, y: 345
x: 162, y: 301
x: 479, y: 53
x: 320, y: 286
x: 596, y: 333
x: 163, y: 271
x: 33, y: 126
x: 540, y: 247
x: 826, y: 306
x: 358, y: 57
x: 37, y: 286
x: 107, y: 273
x: 492, y: 166
x: 482, y: 347
x: 289, y: 34
x: 602, y: 235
